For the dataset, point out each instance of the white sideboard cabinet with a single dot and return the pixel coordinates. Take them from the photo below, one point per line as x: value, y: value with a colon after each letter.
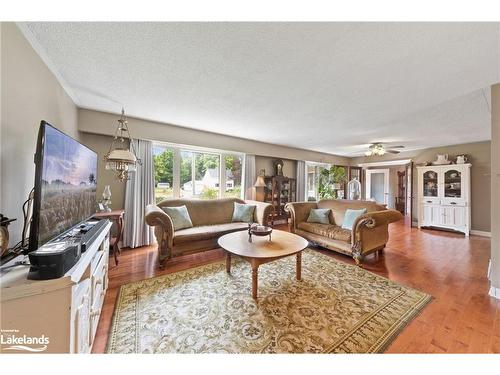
x: 444, y: 197
x: 64, y: 311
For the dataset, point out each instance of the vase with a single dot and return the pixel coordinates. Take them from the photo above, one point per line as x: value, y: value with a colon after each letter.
x: 106, y: 195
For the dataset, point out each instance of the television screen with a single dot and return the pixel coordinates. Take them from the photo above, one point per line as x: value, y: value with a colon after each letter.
x: 65, y: 185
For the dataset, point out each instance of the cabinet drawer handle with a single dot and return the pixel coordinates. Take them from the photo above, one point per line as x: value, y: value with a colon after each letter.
x: 453, y: 202
x: 429, y: 201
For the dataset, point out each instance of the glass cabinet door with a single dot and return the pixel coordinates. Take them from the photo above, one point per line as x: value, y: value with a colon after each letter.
x: 430, y: 184
x: 453, y: 184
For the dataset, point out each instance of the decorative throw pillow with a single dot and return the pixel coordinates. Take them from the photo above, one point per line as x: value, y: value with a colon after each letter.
x: 319, y: 215
x: 350, y: 216
x: 243, y: 212
x: 180, y: 217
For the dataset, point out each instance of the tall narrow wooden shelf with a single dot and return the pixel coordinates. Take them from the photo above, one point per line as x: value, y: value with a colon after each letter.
x: 278, y: 192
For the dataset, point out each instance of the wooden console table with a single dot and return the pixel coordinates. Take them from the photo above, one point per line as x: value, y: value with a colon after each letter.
x: 117, y: 217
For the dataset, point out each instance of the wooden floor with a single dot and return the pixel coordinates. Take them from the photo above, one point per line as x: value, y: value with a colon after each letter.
x: 461, y: 319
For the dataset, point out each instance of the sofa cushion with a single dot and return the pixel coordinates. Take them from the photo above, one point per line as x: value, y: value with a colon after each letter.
x: 319, y: 215
x: 205, y: 232
x: 339, y: 206
x: 243, y: 213
x: 350, y: 216
x: 180, y: 217
x: 205, y: 211
x: 327, y: 230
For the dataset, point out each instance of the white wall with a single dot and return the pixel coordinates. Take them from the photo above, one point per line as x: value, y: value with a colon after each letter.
x: 495, y: 186
x: 29, y: 93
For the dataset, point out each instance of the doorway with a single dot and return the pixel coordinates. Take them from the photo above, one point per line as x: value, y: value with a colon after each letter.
x: 390, y: 183
x: 377, y: 185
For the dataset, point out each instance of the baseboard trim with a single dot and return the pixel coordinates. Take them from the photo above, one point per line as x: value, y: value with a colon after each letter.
x: 494, y: 292
x: 480, y: 233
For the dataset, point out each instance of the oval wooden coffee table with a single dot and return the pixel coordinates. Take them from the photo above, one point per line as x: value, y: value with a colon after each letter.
x: 261, y: 250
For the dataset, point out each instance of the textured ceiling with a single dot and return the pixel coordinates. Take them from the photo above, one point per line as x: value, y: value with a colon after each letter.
x: 331, y: 87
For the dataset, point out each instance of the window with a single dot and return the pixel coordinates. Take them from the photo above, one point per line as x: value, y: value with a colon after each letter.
x: 207, y: 176
x: 234, y: 173
x: 163, y: 161
x: 192, y: 173
x: 311, y: 178
x: 186, y: 174
x: 338, y: 177
x: 325, y: 181
x: 317, y: 180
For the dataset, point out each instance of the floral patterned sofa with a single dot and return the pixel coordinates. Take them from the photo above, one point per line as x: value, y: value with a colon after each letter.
x: 369, y: 232
x: 211, y: 219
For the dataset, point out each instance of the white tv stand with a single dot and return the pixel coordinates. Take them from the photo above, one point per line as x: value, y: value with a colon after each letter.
x: 64, y: 311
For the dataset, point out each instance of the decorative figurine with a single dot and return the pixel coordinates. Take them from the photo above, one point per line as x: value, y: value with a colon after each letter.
x: 278, y: 164
x: 354, y: 189
x: 442, y: 159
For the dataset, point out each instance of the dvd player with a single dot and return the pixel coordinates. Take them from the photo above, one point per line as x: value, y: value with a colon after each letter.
x: 58, y: 256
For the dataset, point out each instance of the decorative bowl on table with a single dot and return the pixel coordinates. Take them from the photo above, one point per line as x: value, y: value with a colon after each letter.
x: 259, y: 230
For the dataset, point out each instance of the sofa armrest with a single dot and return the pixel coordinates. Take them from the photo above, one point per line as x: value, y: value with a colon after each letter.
x: 163, y: 224
x: 155, y: 216
x: 370, y: 230
x: 299, y: 212
x: 262, y: 212
x: 375, y: 219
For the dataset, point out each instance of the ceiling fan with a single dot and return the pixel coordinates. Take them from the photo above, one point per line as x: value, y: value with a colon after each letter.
x: 378, y: 149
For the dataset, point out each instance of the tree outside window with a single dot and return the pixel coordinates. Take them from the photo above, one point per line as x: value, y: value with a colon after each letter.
x: 163, y: 162
x: 325, y: 181
x: 234, y: 171
x: 199, y: 174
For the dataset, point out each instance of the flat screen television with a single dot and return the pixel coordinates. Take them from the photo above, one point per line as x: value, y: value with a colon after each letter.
x: 65, y: 185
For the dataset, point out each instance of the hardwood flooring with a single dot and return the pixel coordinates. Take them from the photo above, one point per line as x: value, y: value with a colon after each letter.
x: 461, y: 319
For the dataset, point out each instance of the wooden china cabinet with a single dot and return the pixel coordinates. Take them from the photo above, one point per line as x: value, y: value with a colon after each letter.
x: 279, y: 190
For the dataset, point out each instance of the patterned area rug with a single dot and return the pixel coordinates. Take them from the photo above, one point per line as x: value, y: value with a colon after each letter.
x: 336, y: 308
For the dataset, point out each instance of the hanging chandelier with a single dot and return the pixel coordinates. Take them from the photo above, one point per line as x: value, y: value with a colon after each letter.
x: 119, y: 158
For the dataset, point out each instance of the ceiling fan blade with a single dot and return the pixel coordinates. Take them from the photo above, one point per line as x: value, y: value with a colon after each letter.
x: 392, y: 151
x: 397, y: 146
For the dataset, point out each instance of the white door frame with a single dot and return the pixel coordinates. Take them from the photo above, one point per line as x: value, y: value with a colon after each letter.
x: 368, y: 179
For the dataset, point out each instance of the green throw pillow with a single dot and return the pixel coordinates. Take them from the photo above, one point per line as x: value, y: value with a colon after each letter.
x: 319, y: 215
x: 243, y: 212
x: 180, y: 217
x: 350, y: 216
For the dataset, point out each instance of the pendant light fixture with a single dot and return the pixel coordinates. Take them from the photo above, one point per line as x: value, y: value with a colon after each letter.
x: 121, y: 158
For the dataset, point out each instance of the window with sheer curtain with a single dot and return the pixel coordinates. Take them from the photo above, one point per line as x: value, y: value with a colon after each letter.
x: 181, y: 172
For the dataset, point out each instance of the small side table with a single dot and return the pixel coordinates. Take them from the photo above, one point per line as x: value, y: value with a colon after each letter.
x: 117, y: 217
